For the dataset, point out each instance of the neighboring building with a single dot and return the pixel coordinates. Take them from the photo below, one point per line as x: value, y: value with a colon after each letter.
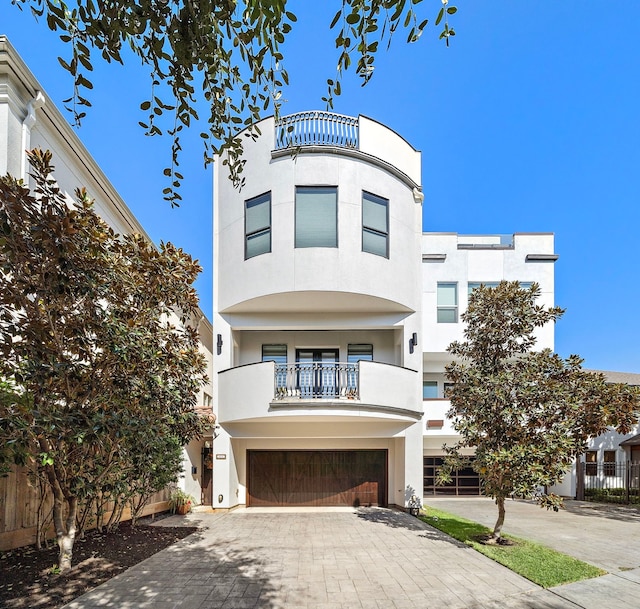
x: 452, y: 266
x: 612, y: 460
x: 333, y: 313
x: 29, y: 119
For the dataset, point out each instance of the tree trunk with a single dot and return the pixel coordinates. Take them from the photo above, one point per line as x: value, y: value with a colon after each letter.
x: 65, y: 531
x: 497, y: 529
x: 63, y: 502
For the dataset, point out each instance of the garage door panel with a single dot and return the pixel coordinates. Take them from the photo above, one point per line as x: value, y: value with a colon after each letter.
x: 317, y: 478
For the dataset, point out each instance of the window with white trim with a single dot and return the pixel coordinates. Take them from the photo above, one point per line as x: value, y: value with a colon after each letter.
x: 257, y: 226
x: 274, y: 353
x: 609, y: 460
x: 278, y: 355
x: 375, y: 224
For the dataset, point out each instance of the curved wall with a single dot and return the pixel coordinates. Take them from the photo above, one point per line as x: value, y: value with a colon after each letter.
x: 345, y: 269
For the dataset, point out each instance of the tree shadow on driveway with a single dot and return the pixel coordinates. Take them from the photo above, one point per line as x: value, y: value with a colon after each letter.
x: 192, y: 573
x: 401, y: 520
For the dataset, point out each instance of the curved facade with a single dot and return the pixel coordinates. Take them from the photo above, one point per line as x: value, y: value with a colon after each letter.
x: 317, y: 296
x: 292, y: 267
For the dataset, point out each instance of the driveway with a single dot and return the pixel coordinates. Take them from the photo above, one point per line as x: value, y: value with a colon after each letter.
x: 603, y: 535
x: 596, y: 533
x: 369, y: 558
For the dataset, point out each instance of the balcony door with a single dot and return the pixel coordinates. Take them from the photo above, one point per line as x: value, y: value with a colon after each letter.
x: 317, y: 372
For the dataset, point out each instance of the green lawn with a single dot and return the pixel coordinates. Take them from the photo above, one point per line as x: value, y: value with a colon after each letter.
x: 540, y: 564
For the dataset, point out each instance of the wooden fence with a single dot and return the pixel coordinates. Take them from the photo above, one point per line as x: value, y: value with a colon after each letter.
x: 22, y: 505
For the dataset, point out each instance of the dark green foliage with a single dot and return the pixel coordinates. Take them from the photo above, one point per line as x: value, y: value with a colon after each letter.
x: 223, y: 52
x: 103, y: 374
x: 527, y: 413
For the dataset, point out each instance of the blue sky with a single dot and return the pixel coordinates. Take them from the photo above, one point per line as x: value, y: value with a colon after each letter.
x: 528, y: 122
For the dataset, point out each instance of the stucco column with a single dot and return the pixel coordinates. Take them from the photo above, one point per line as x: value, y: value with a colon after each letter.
x: 225, y: 477
x: 413, y: 466
x: 27, y: 124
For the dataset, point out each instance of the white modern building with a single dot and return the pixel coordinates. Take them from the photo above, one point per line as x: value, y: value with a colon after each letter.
x: 452, y: 266
x: 332, y: 315
x: 317, y: 299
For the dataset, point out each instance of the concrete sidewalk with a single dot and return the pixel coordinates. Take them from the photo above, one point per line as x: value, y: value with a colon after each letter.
x: 365, y: 559
x: 603, y: 535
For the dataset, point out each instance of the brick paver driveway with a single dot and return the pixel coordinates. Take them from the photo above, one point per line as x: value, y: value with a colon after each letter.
x: 368, y: 558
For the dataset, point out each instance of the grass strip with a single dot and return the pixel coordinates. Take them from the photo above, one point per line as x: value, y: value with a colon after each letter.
x: 539, y: 564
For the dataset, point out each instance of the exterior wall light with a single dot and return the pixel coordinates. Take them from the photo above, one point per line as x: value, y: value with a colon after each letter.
x: 413, y: 342
x: 220, y: 498
x: 219, y: 344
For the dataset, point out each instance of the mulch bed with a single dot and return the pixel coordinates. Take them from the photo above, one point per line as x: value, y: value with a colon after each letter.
x: 488, y: 540
x: 28, y: 580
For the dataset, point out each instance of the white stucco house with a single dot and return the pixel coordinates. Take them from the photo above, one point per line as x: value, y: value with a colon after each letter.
x: 29, y: 119
x: 317, y: 295
x: 332, y: 315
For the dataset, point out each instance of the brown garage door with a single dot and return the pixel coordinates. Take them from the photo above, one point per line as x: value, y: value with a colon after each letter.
x: 316, y: 478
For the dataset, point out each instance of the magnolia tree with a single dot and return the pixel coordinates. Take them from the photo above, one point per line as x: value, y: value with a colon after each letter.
x: 226, y: 53
x: 97, y: 347
x: 527, y: 414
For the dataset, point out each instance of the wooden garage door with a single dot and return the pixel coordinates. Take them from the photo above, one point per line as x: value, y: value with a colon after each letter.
x: 316, y: 478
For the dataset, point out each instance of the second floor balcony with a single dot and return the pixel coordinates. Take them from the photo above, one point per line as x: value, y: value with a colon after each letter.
x: 263, y: 390
x: 317, y: 380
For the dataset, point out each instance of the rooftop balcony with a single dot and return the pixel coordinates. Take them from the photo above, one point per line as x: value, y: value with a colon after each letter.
x: 317, y: 128
x: 360, y: 137
x: 265, y: 390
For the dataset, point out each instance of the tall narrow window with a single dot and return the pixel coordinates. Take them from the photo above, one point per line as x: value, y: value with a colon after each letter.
x: 257, y: 226
x: 447, y: 303
x: 609, y: 462
x: 316, y: 216
x: 375, y: 225
x: 356, y: 353
x: 591, y: 460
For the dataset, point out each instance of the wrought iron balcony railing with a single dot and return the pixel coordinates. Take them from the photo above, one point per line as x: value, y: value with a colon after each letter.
x: 316, y: 128
x: 317, y: 380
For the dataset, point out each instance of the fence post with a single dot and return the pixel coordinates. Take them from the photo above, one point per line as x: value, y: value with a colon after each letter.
x: 579, y: 479
x: 627, y: 480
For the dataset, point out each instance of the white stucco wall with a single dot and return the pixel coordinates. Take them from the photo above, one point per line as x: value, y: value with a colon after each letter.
x: 290, y: 270
x: 462, y: 266
x: 29, y: 119
x: 319, y: 297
